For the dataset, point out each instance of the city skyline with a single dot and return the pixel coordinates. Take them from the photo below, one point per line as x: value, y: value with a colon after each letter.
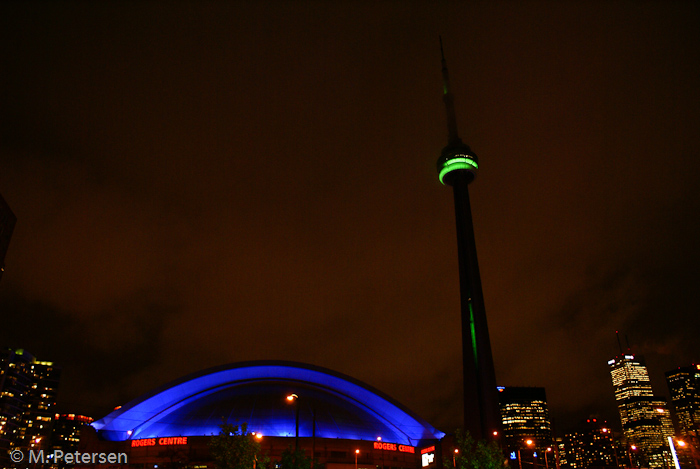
x: 197, y: 185
x: 29, y: 424
x: 522, y: 410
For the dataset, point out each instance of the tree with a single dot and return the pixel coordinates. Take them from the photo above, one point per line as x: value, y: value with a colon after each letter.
x: 235, y: 448
x: 295, y: 459
x: 178, y: 459
x: 475, y: 454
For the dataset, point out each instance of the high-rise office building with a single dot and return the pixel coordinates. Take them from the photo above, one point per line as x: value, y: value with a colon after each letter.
x: 525, y: 416
x: 15, y: 383
x: 592, y: 445
x: 7, y: 226
x: 457, y: 167
x: 28, y: 391
x: 65, y: 434
x: 646, y: 420
x: 42, y: 401
x: 684, y: 386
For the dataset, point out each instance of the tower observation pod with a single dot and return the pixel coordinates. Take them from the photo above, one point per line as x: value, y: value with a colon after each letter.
x: 456, y: 167
x: 458, y: 158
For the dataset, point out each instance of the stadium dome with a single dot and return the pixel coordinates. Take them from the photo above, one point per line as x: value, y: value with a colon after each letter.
x: 254, y: 392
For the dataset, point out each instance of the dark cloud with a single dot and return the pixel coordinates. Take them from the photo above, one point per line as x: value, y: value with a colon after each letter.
x: 114, y: 345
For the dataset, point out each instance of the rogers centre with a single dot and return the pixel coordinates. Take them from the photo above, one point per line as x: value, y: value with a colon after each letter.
x: 337, y: 415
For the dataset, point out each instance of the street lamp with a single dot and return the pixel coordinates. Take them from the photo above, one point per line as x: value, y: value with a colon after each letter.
x: 357, y: 451
x: 520, y: 461
x: 689, y: 447
x: 295, y: 399
x: 546, y: 462
x: 631, y: 448
x: 454, y: 457
x: 534, y: 453
x: 673, y: 453
x: 497, y: 437
x: 257, y: 436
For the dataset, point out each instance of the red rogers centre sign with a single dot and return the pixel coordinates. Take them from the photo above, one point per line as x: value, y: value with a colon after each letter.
x: 394, y: 447
x: 168, y: 441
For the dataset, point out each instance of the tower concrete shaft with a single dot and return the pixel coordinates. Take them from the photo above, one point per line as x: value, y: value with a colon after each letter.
x: 481, y: 412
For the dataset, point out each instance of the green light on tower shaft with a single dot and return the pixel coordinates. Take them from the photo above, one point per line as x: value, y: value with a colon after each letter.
x: 473, y: 331
x: 455, y: 163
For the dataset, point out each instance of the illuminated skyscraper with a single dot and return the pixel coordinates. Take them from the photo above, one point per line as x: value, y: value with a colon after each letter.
x: 684, y: 386
x: 457, y: 167
x: 28, y: 391
x: 65, y: 434
x: 592, y: 445
x: 646, y: 420
x: 525, y: 416
x: 630, y: 380
x: 7, y: 226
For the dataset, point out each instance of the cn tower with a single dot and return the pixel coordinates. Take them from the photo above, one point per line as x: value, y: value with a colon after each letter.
x: 457, y: 167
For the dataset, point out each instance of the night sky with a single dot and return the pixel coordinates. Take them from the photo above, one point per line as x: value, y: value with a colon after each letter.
x: 199, y: 183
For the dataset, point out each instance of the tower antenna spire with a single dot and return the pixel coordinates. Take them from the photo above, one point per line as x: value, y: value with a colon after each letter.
x: 448, y: 99
x: 619, y: 344
x: 456, y: 158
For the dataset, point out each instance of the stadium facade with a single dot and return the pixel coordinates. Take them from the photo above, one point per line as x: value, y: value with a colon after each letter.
x: 336, y: 416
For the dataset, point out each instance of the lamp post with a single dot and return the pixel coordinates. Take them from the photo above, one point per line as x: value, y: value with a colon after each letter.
x: 528, y: 442
x: 454, y: 457
x: 258, y: 436
x: 690, y: 447
x: 630, y: 448
x: 357, y: 451
x: 379, y: 439
x: 546, y: 463
x: 295, y: 399
x: 520, y: 461
x: 676, y: 464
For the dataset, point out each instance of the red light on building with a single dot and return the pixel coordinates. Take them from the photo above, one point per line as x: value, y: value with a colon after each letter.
x: 394, y: 447
x: 179, y: 440
x: 143, y: 442
x: 170, y: 441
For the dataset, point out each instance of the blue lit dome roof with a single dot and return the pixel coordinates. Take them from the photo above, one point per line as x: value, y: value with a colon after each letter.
x: 254, y: 392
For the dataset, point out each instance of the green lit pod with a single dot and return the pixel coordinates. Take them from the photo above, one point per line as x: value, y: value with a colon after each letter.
x: 453, y: 159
